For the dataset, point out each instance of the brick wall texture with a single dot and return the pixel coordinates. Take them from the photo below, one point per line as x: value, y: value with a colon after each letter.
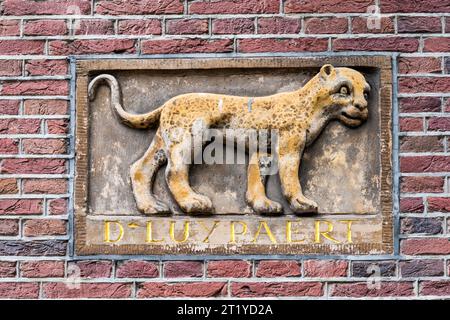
x: 36, y: 38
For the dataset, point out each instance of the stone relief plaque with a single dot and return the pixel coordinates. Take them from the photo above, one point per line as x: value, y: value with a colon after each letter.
x: 281, y: 155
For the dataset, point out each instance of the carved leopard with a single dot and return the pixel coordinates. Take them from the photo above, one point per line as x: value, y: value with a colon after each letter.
x: 298, y: 116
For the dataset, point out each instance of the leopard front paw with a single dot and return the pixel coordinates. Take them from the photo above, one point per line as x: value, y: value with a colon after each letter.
x: 266, y: 206
x: 300, y: 204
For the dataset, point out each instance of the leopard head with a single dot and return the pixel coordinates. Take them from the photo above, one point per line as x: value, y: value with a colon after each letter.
x: 345, y: 95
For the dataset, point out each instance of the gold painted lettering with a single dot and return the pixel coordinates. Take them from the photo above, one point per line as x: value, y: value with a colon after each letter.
x: 292, y: 231
x: 108, y: 231
x: 325, y: 234
x: 185, y: 232
x: 149, y: 235
x: 349, y: 229
x: 233, y: 232
x: 210, y: 231
x: 268, y: 232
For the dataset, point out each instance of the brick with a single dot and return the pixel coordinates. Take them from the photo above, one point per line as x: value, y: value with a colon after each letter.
x: 45, y: 28
x: 325, y: 268
x: 49, y: 7
x: 182, y: 289
x: 326, y: 25
x: 406, y: 6
x: 9, y: 107
x: 440, y: 204
x: 10, y: 68
x: 58, y: 126
x: 419, y: 24
x: 436, y: 44
x: 136, y: 7
x: 51, y: 186
x: 425, y: 164
x: 19, y: 290
x: 434, y: 288
x: 137, y: 269
x: 447, y: 105
x: 361, y: 289
x: 9, y: 28
x: 282, y: 45
x: 187, y: 26
x: 409, y: 65
x: 94, y: 26
x: 183, y: 269
x: 42, y: 269
x: 422, y: 184
x: 278, y: 268
x: 366, y: 269
x: 91, y: 46
x: 425, y: 246
x: 20, y: 126
x: 140, y: 27
x: 447, y: 25
x: 7, y: 269
x: 44, y: 146
x: 411, y: 124
x: 21, y: 47
x: 326, y: 6
x: 420, y: 104
x: 365, y: 25
x: 439, y: 124
x: 9, y: 146
x: 44, y: 227
x: 20, y: 206
x: 229, y: 268
x: 9, y: 227
x: 36, y: 248
x: 57, y: 206
x: 8, y: 186
x: 35, y: 87
x: 30, y: 166
x: 279, y: 25
x: 92, y: 269
x: 421, y: 225
x: 422, y: 268
x: 276, y: 289
x: 234, y: 6
x: 186, y: 46
x: 233, y: 26
x: 46, y: 67
x: 46, y: 107
x: 61, y: 290
x: 421, y: 144
x: 424, y: 84
x: 400, y: 44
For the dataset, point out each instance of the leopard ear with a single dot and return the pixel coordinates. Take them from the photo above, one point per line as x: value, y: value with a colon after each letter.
x: 326, y: 71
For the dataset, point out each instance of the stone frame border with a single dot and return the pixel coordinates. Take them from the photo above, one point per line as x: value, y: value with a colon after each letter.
x: 83, y: 69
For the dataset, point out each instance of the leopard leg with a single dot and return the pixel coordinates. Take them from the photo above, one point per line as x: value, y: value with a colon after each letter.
x: 142, y: 174
x: 177, y: 177
x: 256, y: 180
x: 290, y: 149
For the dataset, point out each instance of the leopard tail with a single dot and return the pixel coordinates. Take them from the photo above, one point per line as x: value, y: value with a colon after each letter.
x: 138, y: 121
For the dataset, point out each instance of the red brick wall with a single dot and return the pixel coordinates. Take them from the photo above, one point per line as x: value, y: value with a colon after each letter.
x: 37, y: 36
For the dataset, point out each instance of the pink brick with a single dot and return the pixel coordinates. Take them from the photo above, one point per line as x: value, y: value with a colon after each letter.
x: 229, y: 269
x: 9, y: 28
x: 44, y: 227
x: 325, y: 268
x: 45, y: 28
x: 20, y: 206
x: 36, y: 87
x: 46, y: 67
x: 46, y: 107
x: 42, y: 269
x: 10, y: 68
x: 52, y: 186
x: 55, y: 166
x: 137, y: 269
x: 87, y: 290
x: 278, y: 25
x: 233, y: 26
x: 46, y: 7
x: 187, y: 26
x: 140, y: 27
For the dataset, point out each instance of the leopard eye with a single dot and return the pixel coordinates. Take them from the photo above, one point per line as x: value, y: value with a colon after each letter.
x: 344, y: 90
x: 366, y: 96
